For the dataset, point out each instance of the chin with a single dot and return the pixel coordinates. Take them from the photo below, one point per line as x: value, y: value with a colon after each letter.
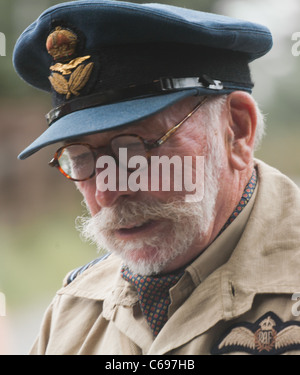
x: 143, y: 266
x: 150, y: 259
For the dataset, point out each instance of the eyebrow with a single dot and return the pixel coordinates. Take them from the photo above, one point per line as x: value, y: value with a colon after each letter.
x: 71, y: 140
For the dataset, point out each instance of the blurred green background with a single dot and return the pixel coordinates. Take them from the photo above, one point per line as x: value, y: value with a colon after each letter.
x: 39, y: 243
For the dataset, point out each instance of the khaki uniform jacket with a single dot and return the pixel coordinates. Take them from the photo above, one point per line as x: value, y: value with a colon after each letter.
x: 238, y: 297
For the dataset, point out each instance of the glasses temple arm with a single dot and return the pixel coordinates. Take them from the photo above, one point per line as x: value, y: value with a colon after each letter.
x: 172, y: 130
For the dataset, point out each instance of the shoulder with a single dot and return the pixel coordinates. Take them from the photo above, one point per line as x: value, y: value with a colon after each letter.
x: 274, y: 177
x: 72, y: 275
x: 278, y: 191
x: 95, y: 280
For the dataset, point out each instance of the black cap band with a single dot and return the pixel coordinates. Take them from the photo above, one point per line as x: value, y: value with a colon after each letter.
x: 161, y: 86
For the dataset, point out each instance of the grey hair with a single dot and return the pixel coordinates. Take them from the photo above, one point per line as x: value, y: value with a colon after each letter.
x: 260, y: 127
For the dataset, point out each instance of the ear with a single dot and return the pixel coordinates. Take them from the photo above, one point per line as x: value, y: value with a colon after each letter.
x: 241, y: 128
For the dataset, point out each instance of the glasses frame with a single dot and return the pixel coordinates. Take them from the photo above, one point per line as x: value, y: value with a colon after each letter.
x: 149, y: 145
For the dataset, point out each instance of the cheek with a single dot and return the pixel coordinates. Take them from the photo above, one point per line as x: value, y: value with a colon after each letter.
x: 88, y: 191
x: 185, y: 176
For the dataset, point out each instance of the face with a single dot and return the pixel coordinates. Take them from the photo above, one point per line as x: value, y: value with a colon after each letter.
x: 157, y: 231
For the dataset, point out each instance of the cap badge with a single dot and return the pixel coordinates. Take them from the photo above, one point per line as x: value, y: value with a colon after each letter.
x: 61, y: 45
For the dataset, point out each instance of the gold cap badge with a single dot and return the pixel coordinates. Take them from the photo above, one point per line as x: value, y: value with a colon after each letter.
x: 61, y: 43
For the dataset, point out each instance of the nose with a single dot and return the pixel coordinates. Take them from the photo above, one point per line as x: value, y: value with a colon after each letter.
x: 111, y: 182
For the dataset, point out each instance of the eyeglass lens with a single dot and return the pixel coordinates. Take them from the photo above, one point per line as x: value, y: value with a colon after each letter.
x: 78, y: 161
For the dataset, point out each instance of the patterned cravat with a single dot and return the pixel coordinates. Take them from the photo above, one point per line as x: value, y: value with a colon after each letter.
x: 153, y: 295
x: 153, y: 292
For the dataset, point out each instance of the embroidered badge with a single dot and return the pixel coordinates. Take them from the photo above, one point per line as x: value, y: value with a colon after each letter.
x: 70, y: 76
x: 269, y: 335
x: 61, y: 44
x: 66, y: 69
x: 77, y: 80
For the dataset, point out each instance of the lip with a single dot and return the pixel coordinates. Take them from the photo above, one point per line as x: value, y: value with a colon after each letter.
x: 131, y: 232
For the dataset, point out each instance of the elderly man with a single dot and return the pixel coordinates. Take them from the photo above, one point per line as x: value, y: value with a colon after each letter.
x: 205, y: 267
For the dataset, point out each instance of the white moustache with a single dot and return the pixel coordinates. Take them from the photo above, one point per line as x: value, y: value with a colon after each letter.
x: 128, y: 214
